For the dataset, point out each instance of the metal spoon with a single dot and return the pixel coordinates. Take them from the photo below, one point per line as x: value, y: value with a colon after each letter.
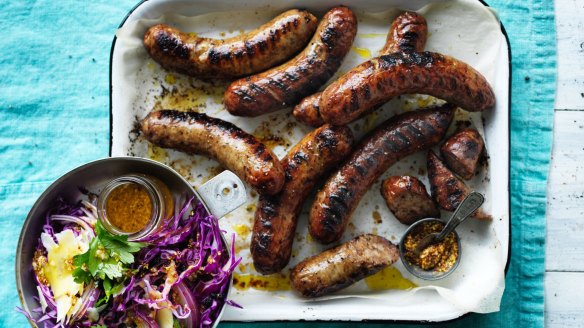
x: 470, y: 204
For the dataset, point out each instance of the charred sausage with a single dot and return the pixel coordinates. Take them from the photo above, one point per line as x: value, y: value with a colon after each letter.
x: 382, y: 78
x: 234, y: 148
x: 408, y: 32
x: 393, y: 140
x: 285, y: 85
x: 250, y: 53
x: 339, y: 267
x: 447, y: 189
x: 462, y: 152
x: 408, y: 199
x: 276, y: 216
x: 308, y: 112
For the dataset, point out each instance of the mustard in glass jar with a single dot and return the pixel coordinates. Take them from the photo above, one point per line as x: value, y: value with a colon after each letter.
x: 135, y: 205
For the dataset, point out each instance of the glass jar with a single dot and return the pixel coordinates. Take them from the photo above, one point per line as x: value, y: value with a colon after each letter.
x: 135, y: 205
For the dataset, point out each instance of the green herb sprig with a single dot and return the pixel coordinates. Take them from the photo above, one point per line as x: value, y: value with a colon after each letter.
x: 106, y: 261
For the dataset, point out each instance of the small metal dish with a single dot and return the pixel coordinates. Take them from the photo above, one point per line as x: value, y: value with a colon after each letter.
x: 93, y: 177
x: 416, y: 270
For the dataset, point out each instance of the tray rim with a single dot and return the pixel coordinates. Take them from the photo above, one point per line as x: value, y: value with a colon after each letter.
x: 509, y: 97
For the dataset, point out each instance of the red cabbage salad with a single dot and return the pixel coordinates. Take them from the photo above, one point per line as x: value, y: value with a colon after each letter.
x: 178, y: 276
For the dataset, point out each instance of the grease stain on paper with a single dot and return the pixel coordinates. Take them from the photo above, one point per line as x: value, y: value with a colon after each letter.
x: 242, y: 230
x: 388, y: 278
x: 157, y: 153
x: 370, y: 35
x: 362, y: 52
x: 273, y: 282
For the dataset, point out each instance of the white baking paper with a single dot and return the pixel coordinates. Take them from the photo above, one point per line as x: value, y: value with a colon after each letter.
x: 464, y: 29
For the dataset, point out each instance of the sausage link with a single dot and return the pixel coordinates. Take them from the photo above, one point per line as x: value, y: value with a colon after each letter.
x: 462, y: 152
x: 285, y: 85
x: 408, y: 199
x: 382, y: 78
x: 234, y: 148
x: 447, y: 189
x: 276, y: 216
x: 308, y: 112
x: 408, y: 32
x: 393, y: 140
x: 339, y: 267
x: 269, y: 45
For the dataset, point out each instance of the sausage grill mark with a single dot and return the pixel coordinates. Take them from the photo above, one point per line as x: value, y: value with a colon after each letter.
x: 269, y: 45
x: 447, y: 189
x: 435, y: 74
x: 407, y: 33
x: 462, y: 152
x: 237, y: 150
x: 392, y: 140
x: 286, y: 84
x: 276, y: 216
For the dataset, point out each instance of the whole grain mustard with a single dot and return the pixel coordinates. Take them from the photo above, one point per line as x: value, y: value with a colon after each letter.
x: 439, y: 257
x: 129, y: 207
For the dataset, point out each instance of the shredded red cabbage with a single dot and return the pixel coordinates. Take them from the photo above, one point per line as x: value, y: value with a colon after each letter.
x: 187, y: 255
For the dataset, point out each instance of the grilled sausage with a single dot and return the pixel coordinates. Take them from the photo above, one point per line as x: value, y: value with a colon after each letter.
x: 269, y: 45
x: 447, y: 189
x: 235, y: 149
x: 308, y: 112
x: 339, y: 267
x: 462, y: 152
x: 285, y: 85
x: 408, y: 32
x: 393, y: 140
x: 408, y: 199
x: 276, y: 216
x: 382, y: 78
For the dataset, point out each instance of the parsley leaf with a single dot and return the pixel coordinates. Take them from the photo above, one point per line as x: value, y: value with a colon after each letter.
x: 105, y: 261
x: 112, y: 270
x: 80, y: 274
x: 119, y: 245
x: 110, y: 288
x: 107, y: 285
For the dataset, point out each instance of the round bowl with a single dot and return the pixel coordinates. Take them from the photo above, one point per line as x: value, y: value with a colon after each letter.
x: 416, y: 270
x: 73, y: 187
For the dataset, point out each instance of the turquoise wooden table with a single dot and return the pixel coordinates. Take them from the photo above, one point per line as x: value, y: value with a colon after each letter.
x: 564, y: 278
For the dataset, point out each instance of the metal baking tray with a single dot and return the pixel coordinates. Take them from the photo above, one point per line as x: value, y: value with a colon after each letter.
x: 138, y: 85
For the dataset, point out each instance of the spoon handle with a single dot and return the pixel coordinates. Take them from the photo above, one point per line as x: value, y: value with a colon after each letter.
x: 470, y: 204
